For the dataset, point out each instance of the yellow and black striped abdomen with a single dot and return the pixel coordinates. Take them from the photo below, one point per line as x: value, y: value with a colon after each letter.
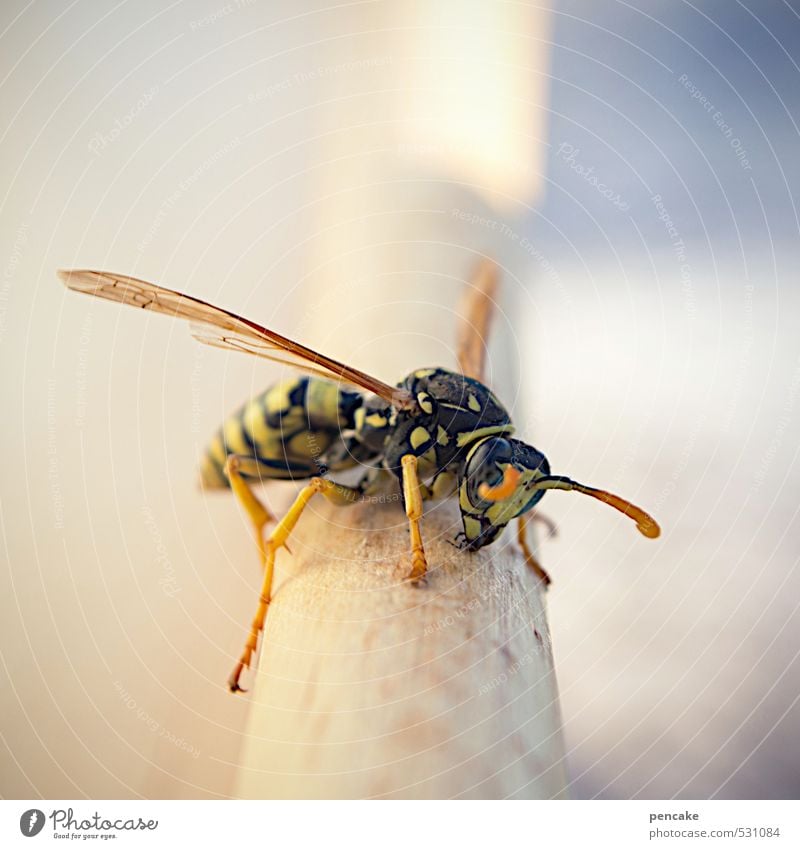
x: 288, y: 429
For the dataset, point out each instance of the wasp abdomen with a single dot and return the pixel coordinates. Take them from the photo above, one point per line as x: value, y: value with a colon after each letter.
x: 288, y: 429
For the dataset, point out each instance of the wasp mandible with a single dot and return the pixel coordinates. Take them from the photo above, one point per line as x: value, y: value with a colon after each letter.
x: 436, y: 433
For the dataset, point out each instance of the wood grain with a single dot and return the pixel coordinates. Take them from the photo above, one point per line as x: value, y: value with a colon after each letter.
x: 369, y: 687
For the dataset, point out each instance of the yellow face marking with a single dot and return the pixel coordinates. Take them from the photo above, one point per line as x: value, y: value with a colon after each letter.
x: 473, y: 403
x: 502, y: 512
x: 441, y: 436
x: 472, y: 527
x: 376, y: 420
x: 424, y: 372
x: 424, y: 401
x: 472, y: 435
x: 419, y: 436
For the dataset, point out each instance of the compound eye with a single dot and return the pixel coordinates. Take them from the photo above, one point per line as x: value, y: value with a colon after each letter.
x: 492, y: 475
x: 486, y: 465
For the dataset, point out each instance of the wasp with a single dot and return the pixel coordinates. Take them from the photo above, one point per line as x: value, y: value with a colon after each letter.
x: 435, y: 434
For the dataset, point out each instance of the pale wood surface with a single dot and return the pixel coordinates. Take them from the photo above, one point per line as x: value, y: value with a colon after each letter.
x: 370, y: 687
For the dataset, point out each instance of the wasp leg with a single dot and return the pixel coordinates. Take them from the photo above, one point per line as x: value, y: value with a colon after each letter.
x: 335, y: 492
x: 477, y: 309
x: 375, y: 482
x: 522, y: 523
x: 535, y: 516
x: 235, y: 467
x: 412, y: 493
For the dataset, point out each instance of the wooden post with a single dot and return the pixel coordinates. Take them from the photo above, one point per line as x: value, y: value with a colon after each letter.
x: 371, y: 687
x: 367, y: 686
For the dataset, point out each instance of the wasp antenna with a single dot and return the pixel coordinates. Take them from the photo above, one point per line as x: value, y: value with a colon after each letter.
x: 645, y: 523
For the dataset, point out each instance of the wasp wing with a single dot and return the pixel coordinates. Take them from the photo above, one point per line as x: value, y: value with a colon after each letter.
x: 223, y: 329
x: 477, y: 309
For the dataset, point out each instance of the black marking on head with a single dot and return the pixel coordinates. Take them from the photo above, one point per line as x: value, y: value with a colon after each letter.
x: 488, y: 533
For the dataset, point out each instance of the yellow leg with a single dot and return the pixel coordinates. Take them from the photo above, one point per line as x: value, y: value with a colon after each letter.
x: 412, y: 492
x: 277, y: 539
x: 535, y: 516
x: 258, y: 513
x: 477, y: 308
x: 522, y: 523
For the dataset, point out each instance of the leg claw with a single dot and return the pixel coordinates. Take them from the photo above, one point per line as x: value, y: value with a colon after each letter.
x: 233, y: 680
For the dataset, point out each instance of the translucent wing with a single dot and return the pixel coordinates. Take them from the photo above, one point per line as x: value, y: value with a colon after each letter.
x: 477, y: 309
x: 222, y: 329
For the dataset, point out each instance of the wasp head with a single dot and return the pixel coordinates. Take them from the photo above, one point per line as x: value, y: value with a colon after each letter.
x: 504, y: 478
x: 499, y: 484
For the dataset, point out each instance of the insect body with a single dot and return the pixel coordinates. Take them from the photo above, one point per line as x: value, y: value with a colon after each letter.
x: 288, y: 429
x: 309, y: 426
x: 435, y: 433
x: 460, y: 436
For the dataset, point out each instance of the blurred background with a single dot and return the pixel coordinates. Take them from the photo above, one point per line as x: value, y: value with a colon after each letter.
x: 633, y: 168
